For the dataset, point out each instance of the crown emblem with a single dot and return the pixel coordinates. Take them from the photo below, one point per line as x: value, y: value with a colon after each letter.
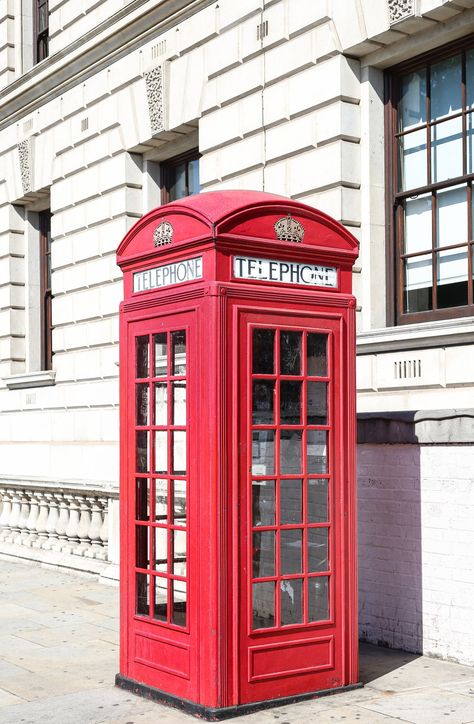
x: 288, y: 229
x: 163, y: 234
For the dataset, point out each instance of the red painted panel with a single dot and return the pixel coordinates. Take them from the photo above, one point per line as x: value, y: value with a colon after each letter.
x: 294, y: 657
x: 163, y: 654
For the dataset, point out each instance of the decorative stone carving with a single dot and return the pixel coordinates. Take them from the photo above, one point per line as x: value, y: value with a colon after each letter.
x: 24, y: 153
x: 155, y: 81
x: 400, y: 9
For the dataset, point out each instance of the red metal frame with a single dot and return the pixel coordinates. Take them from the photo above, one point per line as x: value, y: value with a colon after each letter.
x: 217, y: 660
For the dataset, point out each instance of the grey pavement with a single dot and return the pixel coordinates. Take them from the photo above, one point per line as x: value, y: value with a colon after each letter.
x: 59, y: 656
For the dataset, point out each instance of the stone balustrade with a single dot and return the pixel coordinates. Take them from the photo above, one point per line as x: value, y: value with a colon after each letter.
x: 70, y: 522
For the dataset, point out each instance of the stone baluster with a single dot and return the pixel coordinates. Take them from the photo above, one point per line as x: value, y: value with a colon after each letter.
x: 95, y: 527
x: 42, y: 520
x: 32, y: 521
x: 72, y: 537
x: 14, y: 515
x: 6, y: 513
x: 84, y: 526
x: 63, y: 522
x: 25, y: 498
x: 52, y: 522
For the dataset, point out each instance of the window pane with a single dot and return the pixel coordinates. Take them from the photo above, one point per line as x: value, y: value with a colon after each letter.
x: 161, y: 499
x: 177, y: 176
x: 262, y: 402
x: 317, y: 403
x: 161, y: 549
x: 291, y: 546
x: 290, y: 353
x: 412, y: 105
x: 161, y: 403
x: 318, y: 556
x: 470, y: 79
x: 179, y: 403
x: 290, y: 452
x: 142, y: 551
x: 178, y: 340
x: 290, y: 402
x: 318, y: 508
x: 470, y: 142
x: 316, y: 451
x: 446, y: 150
x: 161, y: 355
x: 263, y: 604
x: 318, y: 598
x: 291, y: 501
x: 143, y: 595
x: 418, y: 283
x: 179, y: 502
x: 142, y: 460
x: 418, y: 224
x: 263, y: 502
x: 142, y: 393
x: 291, y: 601
x: 413, y: 160
x: 161, y: 451
x: 451, y: 216
x: 452, y: 278
x: 193, y: 176
x: 161, y: 599
x: 178, y: 614
x: 446, y: 87
x: 316, y: 350
x: 179, y: 451
x: 142, y: 497
x: 263, y: 563
x: 179, y: 552
x: 263, y: 452
x: 263, y: 342
x: 142, y: 356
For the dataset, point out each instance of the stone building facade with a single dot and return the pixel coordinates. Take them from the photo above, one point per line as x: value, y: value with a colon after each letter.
x: 110, y: 108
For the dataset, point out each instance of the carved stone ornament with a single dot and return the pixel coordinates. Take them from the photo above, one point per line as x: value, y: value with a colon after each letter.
x: 163, y: 234
x: 155, y: 93
x: 24, y: 154
x: 400, y: 9
x: 288, y: 229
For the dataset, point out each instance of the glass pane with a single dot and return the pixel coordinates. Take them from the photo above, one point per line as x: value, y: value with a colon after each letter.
x: 446, y: 150
x: 318, y: 505
x: 263, y: 557
x: 161, y: 500
x: 179, y: 502
x: 263, y: 502
x: 418, y: 224
x: 452, y: 278
x: 142, y: 497
x: 143, y: 595
x: 470, y: 79
x: 316, y: 350
x: 318, y: 598
x: 317, y: 403
x: 412, y: 105
x: 179, y: 451
x: 290, y: 452
x: 179, y: 552
x: 290, y: 353
x: 291, y: 502
x: 142, y: 461
x: 291, y: 601
x: 263, y: 452
x: 418, y: 283
x: 177, y: 176
x: 446, y: 87
x: 142, y: 395
x: 161, y: 599
x: 161, y: 403
x: 193, y: 177
x: 290, y: 402
x: 161, y: 451
x: 142, y: 548
x: 142, y: 356
x: 291, y: 546
x: 318, y: 555
x: 263, y: 343
x: 179, y: 403
x: 161, y: 354
x: 316, y: 451
x: 178, y: 340
x: 470, y: 142
x: 451, y: 216
x: 263, y: 392
x: 263, y: 604
x: 161, y: 549
x: 178, y: 614
x: 413, y: 160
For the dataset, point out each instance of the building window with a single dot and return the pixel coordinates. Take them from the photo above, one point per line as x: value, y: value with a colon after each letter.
x: 431, y: 175
x: 180, y: 176
x: 41, y: 29
x: 45, y: 289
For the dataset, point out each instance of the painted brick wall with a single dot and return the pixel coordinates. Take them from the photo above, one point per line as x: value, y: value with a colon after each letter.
x: 416, y: 548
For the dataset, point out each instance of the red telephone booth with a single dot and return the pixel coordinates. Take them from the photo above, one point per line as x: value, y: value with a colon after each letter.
x: 237, y: 367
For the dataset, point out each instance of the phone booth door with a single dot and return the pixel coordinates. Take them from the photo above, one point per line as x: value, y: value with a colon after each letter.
x: 291, y: 596
x: 160, y: 475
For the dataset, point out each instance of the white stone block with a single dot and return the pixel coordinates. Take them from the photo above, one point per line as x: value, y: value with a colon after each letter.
x: 222, y: 52
x: 72, y: 101
x: 416, y: 368
x: 231, y: 13
x: 240, y: 81
x: 459, y: 365
x: 305, y: 15
x: 231, y: 122
x: 338, y: 121
x: 198, y: 29
x: 298, y: 53
x: 292, y: 137
x: 230, y: 160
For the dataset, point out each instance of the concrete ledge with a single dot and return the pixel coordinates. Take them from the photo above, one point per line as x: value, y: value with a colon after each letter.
x: 428, y: 427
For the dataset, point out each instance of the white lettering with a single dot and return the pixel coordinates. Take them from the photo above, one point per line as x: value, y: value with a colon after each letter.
x: 271, y: 270
x: 168, y: 275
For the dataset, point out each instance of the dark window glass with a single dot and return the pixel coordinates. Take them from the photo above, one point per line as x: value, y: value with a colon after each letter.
x: 180, y: 177
x: 45, y: 284
x: 41, y: 29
